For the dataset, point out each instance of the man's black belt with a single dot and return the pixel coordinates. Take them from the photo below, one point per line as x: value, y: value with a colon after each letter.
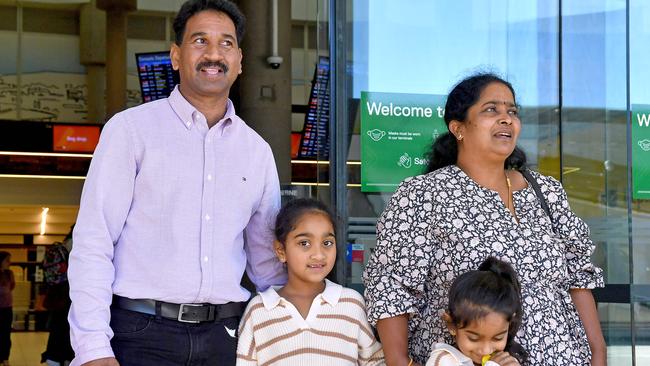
x: 186, y: 313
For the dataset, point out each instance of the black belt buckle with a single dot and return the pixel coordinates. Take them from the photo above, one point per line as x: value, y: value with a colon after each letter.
x: 181, y: 312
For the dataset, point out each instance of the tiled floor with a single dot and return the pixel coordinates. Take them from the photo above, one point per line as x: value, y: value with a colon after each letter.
x: 26, y: 348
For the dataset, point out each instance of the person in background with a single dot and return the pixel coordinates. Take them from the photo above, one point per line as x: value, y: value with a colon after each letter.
x: 58, y: 351
x: 179, y: 200
x: 311, y: 320
x: 7, y: 285
x: 474, y: 202
x: 483, y: 317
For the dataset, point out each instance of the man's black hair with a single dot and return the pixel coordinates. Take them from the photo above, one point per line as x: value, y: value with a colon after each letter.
x: 192, y: 7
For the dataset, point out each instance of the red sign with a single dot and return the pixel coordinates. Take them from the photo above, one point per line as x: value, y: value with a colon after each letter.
x: 75, y: 138
x: 295, y: 144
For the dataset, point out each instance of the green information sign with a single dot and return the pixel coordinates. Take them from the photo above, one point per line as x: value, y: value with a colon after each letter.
x: 396, y: 132
x: 641, y: 151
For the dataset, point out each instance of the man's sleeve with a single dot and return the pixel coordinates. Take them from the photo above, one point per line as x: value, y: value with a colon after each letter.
x: 105, y: 203
x: 263, y: 267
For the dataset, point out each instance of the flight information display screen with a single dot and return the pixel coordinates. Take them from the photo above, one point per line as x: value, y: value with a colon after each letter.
x: 314, y: 143
x: 157, y: 77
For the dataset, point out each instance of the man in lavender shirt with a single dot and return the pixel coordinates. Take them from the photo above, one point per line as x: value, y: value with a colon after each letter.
x: 180, y: 198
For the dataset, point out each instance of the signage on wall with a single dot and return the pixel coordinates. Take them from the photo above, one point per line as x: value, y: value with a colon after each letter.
x: 75, y: 138
x: 641, y: 151
x: 396, y: 133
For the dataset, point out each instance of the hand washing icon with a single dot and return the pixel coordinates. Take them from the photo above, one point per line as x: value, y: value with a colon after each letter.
x: 376, y: 134
x: 404, y: 161
x: 645, y: 144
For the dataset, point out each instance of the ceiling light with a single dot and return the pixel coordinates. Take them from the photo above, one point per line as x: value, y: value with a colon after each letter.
x: 44, y: 219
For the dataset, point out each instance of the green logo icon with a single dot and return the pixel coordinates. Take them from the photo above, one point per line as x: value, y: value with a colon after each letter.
x: 376, y: 134
x: 645, y: 144
x: 404, y: 161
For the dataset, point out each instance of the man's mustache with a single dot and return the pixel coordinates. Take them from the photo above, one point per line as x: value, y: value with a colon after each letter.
x: 212, y: 64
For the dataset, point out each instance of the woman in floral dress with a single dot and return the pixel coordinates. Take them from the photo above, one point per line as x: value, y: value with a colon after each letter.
x: 474, y: 203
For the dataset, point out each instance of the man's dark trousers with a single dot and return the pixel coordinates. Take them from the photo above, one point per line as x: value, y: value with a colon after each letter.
x: 147, y: 340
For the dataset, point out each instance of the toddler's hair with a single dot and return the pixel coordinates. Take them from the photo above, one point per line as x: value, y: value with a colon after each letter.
x: 493, y: 287
x: 293, y: 210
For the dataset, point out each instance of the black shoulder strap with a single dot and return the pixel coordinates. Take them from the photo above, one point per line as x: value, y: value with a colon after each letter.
x: 533, y: 183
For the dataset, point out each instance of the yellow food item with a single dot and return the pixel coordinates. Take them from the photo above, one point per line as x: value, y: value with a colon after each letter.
x: 485, y: 359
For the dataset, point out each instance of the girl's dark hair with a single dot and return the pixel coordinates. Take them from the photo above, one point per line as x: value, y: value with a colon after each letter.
x: 293, y: 210
x: 191, y: 7
x: 444, y: 150
x: 494, y: 287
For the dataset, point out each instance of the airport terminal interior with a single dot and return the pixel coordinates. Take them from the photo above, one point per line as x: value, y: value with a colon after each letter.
x: 322, y: 83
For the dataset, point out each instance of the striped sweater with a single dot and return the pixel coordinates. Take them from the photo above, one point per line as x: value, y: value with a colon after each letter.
x: 335, y: 332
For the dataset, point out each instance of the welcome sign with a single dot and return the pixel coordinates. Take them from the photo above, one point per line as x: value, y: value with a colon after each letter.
x: 640, y: 151
x: 396, y: 132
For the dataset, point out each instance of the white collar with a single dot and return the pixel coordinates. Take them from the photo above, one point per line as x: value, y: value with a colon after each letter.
x: 331, y: 295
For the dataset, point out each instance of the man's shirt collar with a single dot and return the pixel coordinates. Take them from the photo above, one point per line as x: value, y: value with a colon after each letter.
x: 190, y: 116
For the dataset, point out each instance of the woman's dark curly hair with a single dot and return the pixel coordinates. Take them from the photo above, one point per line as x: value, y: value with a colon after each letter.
x: 444, y: 150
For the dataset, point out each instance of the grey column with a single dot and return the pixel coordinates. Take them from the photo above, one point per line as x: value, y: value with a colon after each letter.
x: 92, y: 44
x: 265, y: 92
x: 116, y: 15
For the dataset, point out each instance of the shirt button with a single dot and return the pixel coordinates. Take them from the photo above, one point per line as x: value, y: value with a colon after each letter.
x: 209, y: 176
x: 205, y: 259
x: 208, y: 140
x: 188, y: 124
x: 207, y: 217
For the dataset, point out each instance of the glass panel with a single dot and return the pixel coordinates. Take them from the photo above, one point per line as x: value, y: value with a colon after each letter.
x: 594, y: 139
x: 594, y: 146
x: 323, y: 111
x: 640, y: 96
x: 420, y: 49
x: 310, y: 98
x: 642, y: 328
x: 615, y: 319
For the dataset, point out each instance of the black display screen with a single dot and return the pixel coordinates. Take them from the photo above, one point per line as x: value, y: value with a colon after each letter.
x: 314, y: 143
x: 157, y: 77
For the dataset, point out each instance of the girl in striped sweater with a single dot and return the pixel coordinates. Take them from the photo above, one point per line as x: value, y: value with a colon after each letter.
x: 311, y: 320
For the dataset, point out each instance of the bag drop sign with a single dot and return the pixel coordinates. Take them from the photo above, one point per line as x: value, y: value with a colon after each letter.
x: 396, y: 133
x: 640, y: 151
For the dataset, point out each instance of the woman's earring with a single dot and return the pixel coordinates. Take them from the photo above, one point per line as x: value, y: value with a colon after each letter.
x: 452, y: 332
x: 460, y: 137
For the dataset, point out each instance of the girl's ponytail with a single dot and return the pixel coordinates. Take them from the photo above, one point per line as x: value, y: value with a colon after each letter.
x: 502, y: 270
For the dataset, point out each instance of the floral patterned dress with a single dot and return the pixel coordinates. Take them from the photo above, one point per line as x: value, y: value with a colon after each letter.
x: 442, y: 224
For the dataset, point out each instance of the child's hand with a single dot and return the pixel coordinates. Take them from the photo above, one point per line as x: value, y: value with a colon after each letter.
x: 504, y: 359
